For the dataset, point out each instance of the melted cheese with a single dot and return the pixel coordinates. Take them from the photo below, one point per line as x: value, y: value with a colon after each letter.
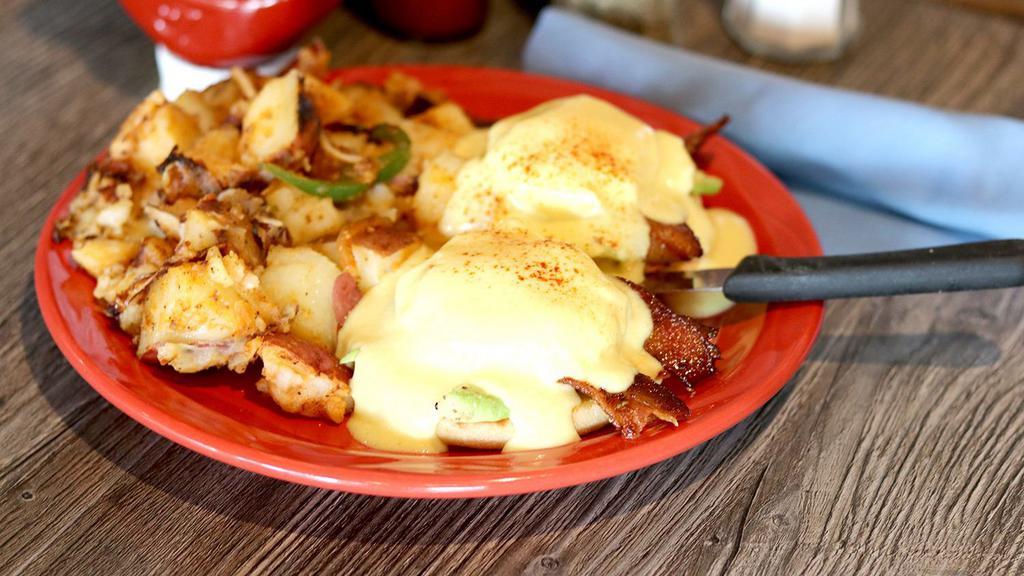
x: 578, y: 170
x: 504, y: 312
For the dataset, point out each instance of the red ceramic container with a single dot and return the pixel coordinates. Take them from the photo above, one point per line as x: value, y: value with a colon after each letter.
x: 226, y: 32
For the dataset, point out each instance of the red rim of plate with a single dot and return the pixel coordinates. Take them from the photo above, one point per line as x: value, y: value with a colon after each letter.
x: 801, y: 322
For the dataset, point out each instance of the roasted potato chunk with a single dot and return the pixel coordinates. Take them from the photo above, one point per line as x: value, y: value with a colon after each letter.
x: 280, y: 124
x: 99, y: 254
x: 306, y: 217
x: 152, y: 131
x: 205, y: 314
x: 304, y: 378
x: 374, y: 247
x: 303, y: 279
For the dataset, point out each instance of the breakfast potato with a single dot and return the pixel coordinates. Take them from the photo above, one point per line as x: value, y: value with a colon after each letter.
x: 217, y: 150
x: 99, y: 254
x: 369, y: 106
x: 280, y: 124
x: 375, y: 247
x: 447, y: 116
x: 306, y: 217
x: 153, y: 129
x: 303, y: 279
x: 192, y: 102
x: 304, y: 378
x: 205, y: 314
x: 436, y: 186
x: 331, y: 105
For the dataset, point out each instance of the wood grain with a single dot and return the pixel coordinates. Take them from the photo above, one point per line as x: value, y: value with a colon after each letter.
x: 897, y: 448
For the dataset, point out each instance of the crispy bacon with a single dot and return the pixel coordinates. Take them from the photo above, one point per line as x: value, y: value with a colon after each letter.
x: 681, y: 344
x: 695, y: 141
x: 672, y: 243
x: 644, y: 402
x: 686, y: 352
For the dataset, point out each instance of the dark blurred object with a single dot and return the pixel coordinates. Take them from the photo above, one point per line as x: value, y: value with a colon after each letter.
x: 436, y: 20
x: 218, y: 33
x: 1013, y: 8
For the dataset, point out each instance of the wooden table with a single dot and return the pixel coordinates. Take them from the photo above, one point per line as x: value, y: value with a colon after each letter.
x: 898, y: 447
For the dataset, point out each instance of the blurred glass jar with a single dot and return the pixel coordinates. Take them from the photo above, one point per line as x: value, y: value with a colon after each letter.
x: 793, y: 30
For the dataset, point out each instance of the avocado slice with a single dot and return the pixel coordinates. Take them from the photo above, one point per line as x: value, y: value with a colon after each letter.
x: 705, y: 184
x: 468, y: 404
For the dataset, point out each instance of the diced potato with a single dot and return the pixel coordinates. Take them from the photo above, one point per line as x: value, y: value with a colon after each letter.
x: 200, y: 231
x: 473, y: 144
x: 113, y: 217
x: 169, y: 127
x: 375, y: 247
x: 192, y: 102
x: 427, y: 142
x: 124, y: 144
x: 436, y: 186
x: 303, y: 378
x: 369, y: 106
x: 373, y: 266
x: 304, y: 279
x: 331, y: 105
x: 205, y: 314
x: 402, y: 89
x: 447, y: 116
x: 221, y: 97
x: 217, y: 150
x: 330, y: 249
x: 98, y: 254
x: 152, y: 131
x: 306, y: 217
x: 271, y: 124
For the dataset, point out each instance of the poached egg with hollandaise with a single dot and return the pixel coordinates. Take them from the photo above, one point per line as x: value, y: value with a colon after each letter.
x: 579, y: 170
x: 503, y: 312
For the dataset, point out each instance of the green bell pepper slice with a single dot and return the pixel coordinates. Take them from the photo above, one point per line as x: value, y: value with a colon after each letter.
x: 391, y: 164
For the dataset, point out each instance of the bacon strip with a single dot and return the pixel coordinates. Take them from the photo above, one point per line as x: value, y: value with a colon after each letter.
x: 672, y: 243
x: 686, y: 352
x: 681, y: 344
x: 695, y: 141
x: 644, y: 402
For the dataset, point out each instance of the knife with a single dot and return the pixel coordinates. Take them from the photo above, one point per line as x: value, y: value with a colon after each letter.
x: 759, y: 278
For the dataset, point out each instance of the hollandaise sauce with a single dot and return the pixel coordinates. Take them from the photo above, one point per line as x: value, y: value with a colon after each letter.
x: 504, y: 312
x: 579, y: 170
x: 726, y: 238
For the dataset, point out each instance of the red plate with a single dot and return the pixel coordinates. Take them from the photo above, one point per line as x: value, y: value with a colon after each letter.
x: 222, y: 416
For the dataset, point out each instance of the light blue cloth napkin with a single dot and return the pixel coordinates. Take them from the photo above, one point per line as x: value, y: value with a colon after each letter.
x: 873, y: 173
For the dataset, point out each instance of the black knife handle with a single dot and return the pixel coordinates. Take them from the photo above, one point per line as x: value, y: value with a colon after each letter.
x: 973, y: 266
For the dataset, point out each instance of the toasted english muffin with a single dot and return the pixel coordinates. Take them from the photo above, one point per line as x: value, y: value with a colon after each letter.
x: 587, y: 417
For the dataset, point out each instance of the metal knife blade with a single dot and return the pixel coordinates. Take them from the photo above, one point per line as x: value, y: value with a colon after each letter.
x: 667, y: 282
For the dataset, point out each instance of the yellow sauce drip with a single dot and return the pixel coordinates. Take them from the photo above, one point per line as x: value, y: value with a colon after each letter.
x: 505, y: 312
x: 726, y: 238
